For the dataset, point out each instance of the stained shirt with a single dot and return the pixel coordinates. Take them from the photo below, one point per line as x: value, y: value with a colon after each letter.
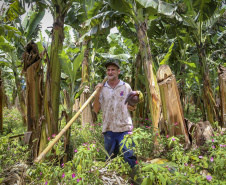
x: 116, y: 116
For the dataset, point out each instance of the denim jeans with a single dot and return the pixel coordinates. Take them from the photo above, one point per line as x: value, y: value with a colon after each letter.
x: 112, y: 143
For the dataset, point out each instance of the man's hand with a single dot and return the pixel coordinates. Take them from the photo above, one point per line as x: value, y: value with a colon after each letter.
x: 101, y: 87
x: 131, y: 108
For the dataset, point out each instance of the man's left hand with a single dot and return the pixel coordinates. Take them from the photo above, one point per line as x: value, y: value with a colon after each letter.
x: 131, y: 108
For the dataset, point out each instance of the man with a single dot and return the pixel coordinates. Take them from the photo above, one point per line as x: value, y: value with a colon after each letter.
x: 116, y: 119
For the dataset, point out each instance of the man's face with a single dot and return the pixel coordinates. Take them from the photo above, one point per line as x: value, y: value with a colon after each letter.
x: 113, y: 72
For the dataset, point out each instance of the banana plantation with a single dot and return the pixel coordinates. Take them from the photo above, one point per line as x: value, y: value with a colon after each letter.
x: 172, y: 51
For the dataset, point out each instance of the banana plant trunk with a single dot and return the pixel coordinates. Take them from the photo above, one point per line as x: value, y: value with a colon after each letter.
x: 139, y: 112
x: 34, y: 81
x: 209, y: 101
x: 87, y: 112
x: 1, y: 104
x: 52, y: 87
x: 6, y: 102
x: 67, y: 134
x: 222, y: 86
x: 171, y: 104
x: 14, y: 95
x: 151, y: 80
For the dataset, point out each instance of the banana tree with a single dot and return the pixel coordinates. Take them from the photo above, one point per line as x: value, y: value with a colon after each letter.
x: 87, y: 113
x: 81, y: 12
x: 10, y: 36
x: 11, y: 61
x: 59, y: 11
x: 70, y: 62
x: 33, y: 70
x: 32, y: 111
x: 198, y: 19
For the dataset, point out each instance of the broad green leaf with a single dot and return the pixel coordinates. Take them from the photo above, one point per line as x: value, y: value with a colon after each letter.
x: 140, y: 15
x: 5, y: 63
x: 198, y: 80
x: 128, y: 43
x: 189, y: 21
x: 142, y: 78
x: 14, y: 11
x: 25, y: 21
x: 166, y: 8
x: 33, y: 23
x: 40, y: 47
x: 64, y: 76
x: 9, y: 32
x: 206, y: 8
x: 5, y: 45
x: 217, y: 89
x: 119, y: 57
x: 104, y: 24
x: 152, y: 13
x: 97, y: 19
x: 95, y: 9
x: 215, y: 39
x: 67, y: 28
x: 8, y: 70
x: 189, y: 64
x: 121, y: 6
x: 93, y: 30
x: 76, y: 15
x: 223, y: 33
x: 149, y: 3
x: 186, y: 38
x: 73, y: 50
x: 167, y: 56
x: 78, y: 93
x: 77, y: 62
x: 113, y: 37
x: 161, y: 6
x: 66, y: 64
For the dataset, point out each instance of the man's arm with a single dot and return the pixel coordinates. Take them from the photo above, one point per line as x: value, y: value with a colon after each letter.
x: 96, y: 103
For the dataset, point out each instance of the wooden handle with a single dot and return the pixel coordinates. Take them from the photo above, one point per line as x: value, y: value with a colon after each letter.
x: 42, y: 155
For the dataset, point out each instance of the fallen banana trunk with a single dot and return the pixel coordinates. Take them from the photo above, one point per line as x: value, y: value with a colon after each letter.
x: 171, y: 105
x: 51, y: 144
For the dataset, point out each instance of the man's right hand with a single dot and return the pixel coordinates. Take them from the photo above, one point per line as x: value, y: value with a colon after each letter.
x: 101, y: 87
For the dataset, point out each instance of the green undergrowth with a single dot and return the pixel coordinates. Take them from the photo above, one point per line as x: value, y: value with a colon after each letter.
x: 166, y: 163
x: 12, y: 122
x: 193, y: 113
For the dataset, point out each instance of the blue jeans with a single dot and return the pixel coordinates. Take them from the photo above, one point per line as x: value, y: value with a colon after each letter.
x: 112, y: 142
